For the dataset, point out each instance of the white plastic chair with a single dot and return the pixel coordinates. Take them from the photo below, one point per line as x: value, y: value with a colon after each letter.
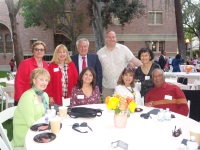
x: 195, y: 85
x: 5, y: 97
x: 11, y: 77
x: 3, y: 146
x: 4, y: 116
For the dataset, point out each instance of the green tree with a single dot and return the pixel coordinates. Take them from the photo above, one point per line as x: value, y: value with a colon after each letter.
x: 101, y: 12
x: 191, y: 19
x: 13, y: 9
x: 60, y: 15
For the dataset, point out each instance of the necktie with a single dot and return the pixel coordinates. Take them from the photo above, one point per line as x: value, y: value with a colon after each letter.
x: 83, y: 63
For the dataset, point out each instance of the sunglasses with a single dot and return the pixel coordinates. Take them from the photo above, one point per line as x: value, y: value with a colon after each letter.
x: 37, y: 49
x: 75, y: 126
x: 176, y: 133
x: 145, y: 116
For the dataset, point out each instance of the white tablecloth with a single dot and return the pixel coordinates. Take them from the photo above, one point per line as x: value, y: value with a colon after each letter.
x: 140, y: 134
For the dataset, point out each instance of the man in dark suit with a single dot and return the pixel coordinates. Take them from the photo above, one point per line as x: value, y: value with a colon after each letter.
x: 162, y: 60
x: 90, y: 60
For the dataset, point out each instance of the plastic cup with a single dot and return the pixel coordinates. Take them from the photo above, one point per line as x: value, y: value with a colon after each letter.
x: 195, y: 131
x: 55, y: 125
x: 62, y: 111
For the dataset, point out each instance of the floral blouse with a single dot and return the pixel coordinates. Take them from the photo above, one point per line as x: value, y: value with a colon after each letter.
x: 147, y: 84
x: 79, y: 98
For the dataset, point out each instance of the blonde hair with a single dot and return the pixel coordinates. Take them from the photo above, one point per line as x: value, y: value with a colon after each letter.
x: 39, y: 72
x: 55, y: 55
x: 38, y: 43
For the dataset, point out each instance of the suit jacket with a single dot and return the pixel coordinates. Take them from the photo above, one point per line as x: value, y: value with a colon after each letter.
x: 92, y: 61
x: 162, y: 62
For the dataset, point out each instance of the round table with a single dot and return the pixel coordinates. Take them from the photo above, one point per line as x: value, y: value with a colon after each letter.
x: 140, y: 134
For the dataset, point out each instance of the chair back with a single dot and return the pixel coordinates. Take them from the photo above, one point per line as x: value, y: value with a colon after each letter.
x: 194, y: 97
x: 4, y: 91
x: 195, y: 85
x: 4, y: 116
x: 3, y: 145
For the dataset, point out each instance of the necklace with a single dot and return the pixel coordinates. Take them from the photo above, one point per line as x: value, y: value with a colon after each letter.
x: 130, y: 90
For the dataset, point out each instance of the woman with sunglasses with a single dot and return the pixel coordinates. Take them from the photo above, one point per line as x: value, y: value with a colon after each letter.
x: 143, y: 73
x: 86, y: 91
x: 125, y: 85
x: 22, y: 78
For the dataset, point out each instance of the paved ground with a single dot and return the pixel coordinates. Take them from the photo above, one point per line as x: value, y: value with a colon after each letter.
x: 5, y: 68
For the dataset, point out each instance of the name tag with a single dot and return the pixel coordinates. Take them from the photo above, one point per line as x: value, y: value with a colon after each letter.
x: 147, y: 77
x: 56, y: 69
x: 168, y: 97
x: 80, y: 96
x: 36, y: 102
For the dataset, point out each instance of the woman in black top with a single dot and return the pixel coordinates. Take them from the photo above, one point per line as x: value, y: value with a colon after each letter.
x: 143, y: 73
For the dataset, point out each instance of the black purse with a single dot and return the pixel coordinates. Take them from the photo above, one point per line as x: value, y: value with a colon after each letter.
x: 83, y: 112
x: 182, y: 80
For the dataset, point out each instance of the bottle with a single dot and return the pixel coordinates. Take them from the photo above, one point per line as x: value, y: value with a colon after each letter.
x: 160, y: 115
x: 53, y: 112
x: 192, y: 144
x: 48, y: 116
x: 167, y: 115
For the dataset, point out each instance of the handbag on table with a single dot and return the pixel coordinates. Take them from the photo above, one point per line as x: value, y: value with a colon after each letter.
x: 182, y: 80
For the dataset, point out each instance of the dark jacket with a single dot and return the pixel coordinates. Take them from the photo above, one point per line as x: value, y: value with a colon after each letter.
x: 92, y: 61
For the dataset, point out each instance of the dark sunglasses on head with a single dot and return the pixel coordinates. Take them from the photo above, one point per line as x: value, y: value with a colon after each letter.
x: 83, y: 124
x: 176, y: 133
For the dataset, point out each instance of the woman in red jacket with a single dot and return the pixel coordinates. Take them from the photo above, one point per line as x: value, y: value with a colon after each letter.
x: 63, y: 74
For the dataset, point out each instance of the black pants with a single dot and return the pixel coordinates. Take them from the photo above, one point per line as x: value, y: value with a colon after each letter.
x: 15, y: 103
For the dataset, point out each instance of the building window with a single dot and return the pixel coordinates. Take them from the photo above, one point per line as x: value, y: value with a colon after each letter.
x: 1, y: 44
x: 9, y: 45
x: 155, y: 46
x: 155, y: 18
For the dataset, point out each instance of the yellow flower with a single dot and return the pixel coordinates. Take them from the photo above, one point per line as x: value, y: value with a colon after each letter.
x: 132, y: 106
x: 113, y: 103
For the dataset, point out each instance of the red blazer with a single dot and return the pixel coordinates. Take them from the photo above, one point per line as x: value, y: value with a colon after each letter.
x: 54, y: 88
x: 22, y: 78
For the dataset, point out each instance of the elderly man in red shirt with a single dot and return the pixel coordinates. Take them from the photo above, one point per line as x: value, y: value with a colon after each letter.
x: 165, y: 95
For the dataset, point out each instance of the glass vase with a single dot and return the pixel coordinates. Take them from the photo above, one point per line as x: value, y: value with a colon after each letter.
x: 120, y: 120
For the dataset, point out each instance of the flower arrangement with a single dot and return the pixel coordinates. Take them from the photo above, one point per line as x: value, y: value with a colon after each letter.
x: 188, y: 69
x: 121, y: 104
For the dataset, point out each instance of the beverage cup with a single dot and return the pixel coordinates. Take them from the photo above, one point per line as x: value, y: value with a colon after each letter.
x: 195, y: 131
x: 55, y: 125
x: 62, y: 111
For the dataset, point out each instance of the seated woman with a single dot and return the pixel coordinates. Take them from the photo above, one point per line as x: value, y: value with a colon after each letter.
x: 125, y: 85
x: 31, y: 107
x: 86, y: 91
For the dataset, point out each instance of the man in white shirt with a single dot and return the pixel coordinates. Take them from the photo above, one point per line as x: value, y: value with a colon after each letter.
x: 114, y: 57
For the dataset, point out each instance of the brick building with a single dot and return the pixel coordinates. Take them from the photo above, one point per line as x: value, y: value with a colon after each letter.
x: 155, y: 29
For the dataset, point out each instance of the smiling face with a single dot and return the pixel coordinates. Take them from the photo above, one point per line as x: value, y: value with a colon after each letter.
x: 41, y: 82
x: 145, y: 57
x: 128, y: 78
x: 87, y: 77
x: 62, y: 55
x: 83, y: 48
x: 39, y: 51
x: 111, y: 39
x: 158, y: 77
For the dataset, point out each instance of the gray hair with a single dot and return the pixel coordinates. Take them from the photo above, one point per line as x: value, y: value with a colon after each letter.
x: 158, y: 69
x: 81, y: 40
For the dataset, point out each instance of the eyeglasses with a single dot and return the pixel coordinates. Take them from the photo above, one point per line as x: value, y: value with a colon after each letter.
x: 77, y: 125
x: 37, y: 49
x: 176, y: 133
x: 145, y: 116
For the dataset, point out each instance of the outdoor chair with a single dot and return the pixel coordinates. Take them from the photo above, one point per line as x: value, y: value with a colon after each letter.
x: 5, y: 97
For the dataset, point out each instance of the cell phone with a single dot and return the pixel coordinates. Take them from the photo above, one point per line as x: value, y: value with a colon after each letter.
x: 120, y: 145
